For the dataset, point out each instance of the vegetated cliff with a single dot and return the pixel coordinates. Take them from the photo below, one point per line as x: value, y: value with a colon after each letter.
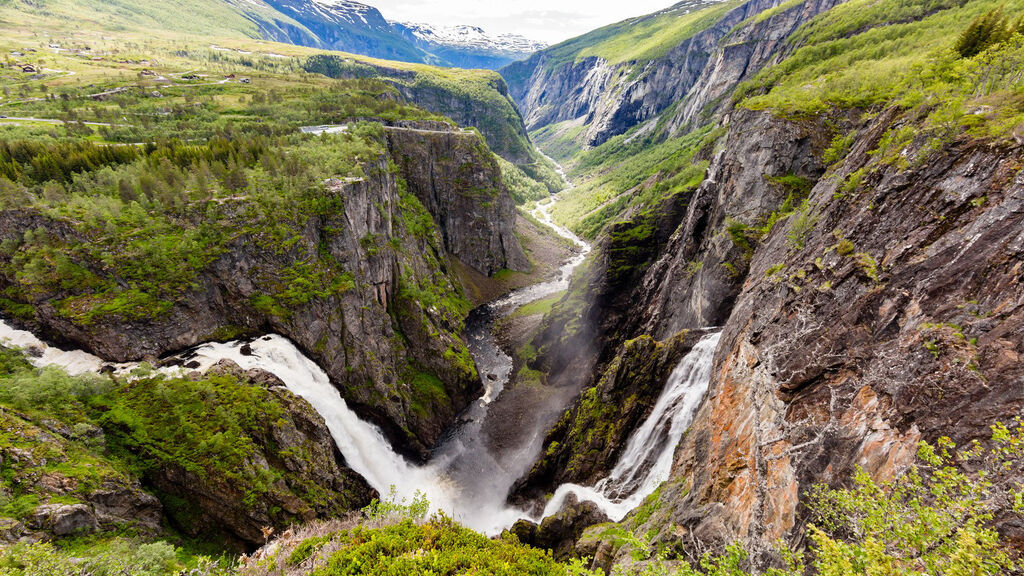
x: 861, y: 250
x: 712, y: 47
x: 363, y: 284
x: 226, y: 454
x: 293, y: 473
x: 863, y: 310
x: 41, y: 500
x: 585, y: 444
x: 272, y: 465
x: 472, y: 98
x: 885, y: 310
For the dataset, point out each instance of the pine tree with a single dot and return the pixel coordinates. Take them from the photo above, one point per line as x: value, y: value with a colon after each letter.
x: 986, y: 30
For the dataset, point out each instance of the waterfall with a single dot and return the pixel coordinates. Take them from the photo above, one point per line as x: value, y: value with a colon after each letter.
x: 647, y: 459
x: 365, y: 448
x: 464, y: 478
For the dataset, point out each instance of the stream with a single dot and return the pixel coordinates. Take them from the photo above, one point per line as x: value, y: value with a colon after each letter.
x: 465, y: 477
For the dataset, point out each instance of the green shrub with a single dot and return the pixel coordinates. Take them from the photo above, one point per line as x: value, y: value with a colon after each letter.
x: 801, y: 223
x: 116, y: 557
x: 439, y: 546
x: 51, y: 392
x: 394, y: 508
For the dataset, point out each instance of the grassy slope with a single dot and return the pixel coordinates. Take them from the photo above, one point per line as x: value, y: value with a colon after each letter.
x: 163, y: 41
x: 204, y: 17
x: 643, y: 38
x: 865, y: 54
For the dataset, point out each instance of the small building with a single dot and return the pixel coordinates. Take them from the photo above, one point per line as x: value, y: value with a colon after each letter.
x: 245, y: 81
x: 27, y: 68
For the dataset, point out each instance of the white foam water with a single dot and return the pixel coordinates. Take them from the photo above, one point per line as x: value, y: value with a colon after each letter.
x: 647, y: 460
x: 74, y: 362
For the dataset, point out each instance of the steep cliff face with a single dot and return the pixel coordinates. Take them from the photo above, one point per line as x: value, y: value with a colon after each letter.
x: 692, y: 77
x: 886, y: 313
x: 883, y: 309
x: 363, y: 288
x: 671, y: 269
x: 454, y: 177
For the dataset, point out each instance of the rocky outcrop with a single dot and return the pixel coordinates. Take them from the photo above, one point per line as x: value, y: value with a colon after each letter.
x: 694, y: 281
x: 694, y: 77
x: 309, y: 479
x: 60, y: 488
x: 749, y: 47
x: 366, y: 288
x: 458, y: 182
x: 560, y: 532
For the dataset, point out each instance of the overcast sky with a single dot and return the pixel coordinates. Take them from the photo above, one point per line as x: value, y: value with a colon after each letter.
x: 547, y: 20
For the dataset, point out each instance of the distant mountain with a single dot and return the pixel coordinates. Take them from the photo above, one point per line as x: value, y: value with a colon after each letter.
x: 341, y: 25
x: 361, y: 29
x: 349, y: 27
x: 468, y: 46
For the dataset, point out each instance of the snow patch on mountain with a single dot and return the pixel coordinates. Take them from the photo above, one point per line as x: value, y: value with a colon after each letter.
x: 472, y: 38
x: 335, y: 11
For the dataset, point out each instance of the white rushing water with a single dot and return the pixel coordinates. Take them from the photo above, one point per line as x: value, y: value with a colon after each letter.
x: 647, y: 459
x: 74, y: 362
x: 644, y: 464
x: 464, y: 478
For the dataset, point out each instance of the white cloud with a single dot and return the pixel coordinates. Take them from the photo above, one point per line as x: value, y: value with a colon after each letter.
x: 537, y: 19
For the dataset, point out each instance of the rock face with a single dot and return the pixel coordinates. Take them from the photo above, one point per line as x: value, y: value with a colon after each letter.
x: 694, y: 76
x: 898, y: 318
x: 885, y: 310
x: 560, y: 532
x: 452, y: 176
x: 65, y: 519
x: 397, y: 316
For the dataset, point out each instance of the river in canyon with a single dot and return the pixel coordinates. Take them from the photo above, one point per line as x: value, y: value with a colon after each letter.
x: 467, y: 476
